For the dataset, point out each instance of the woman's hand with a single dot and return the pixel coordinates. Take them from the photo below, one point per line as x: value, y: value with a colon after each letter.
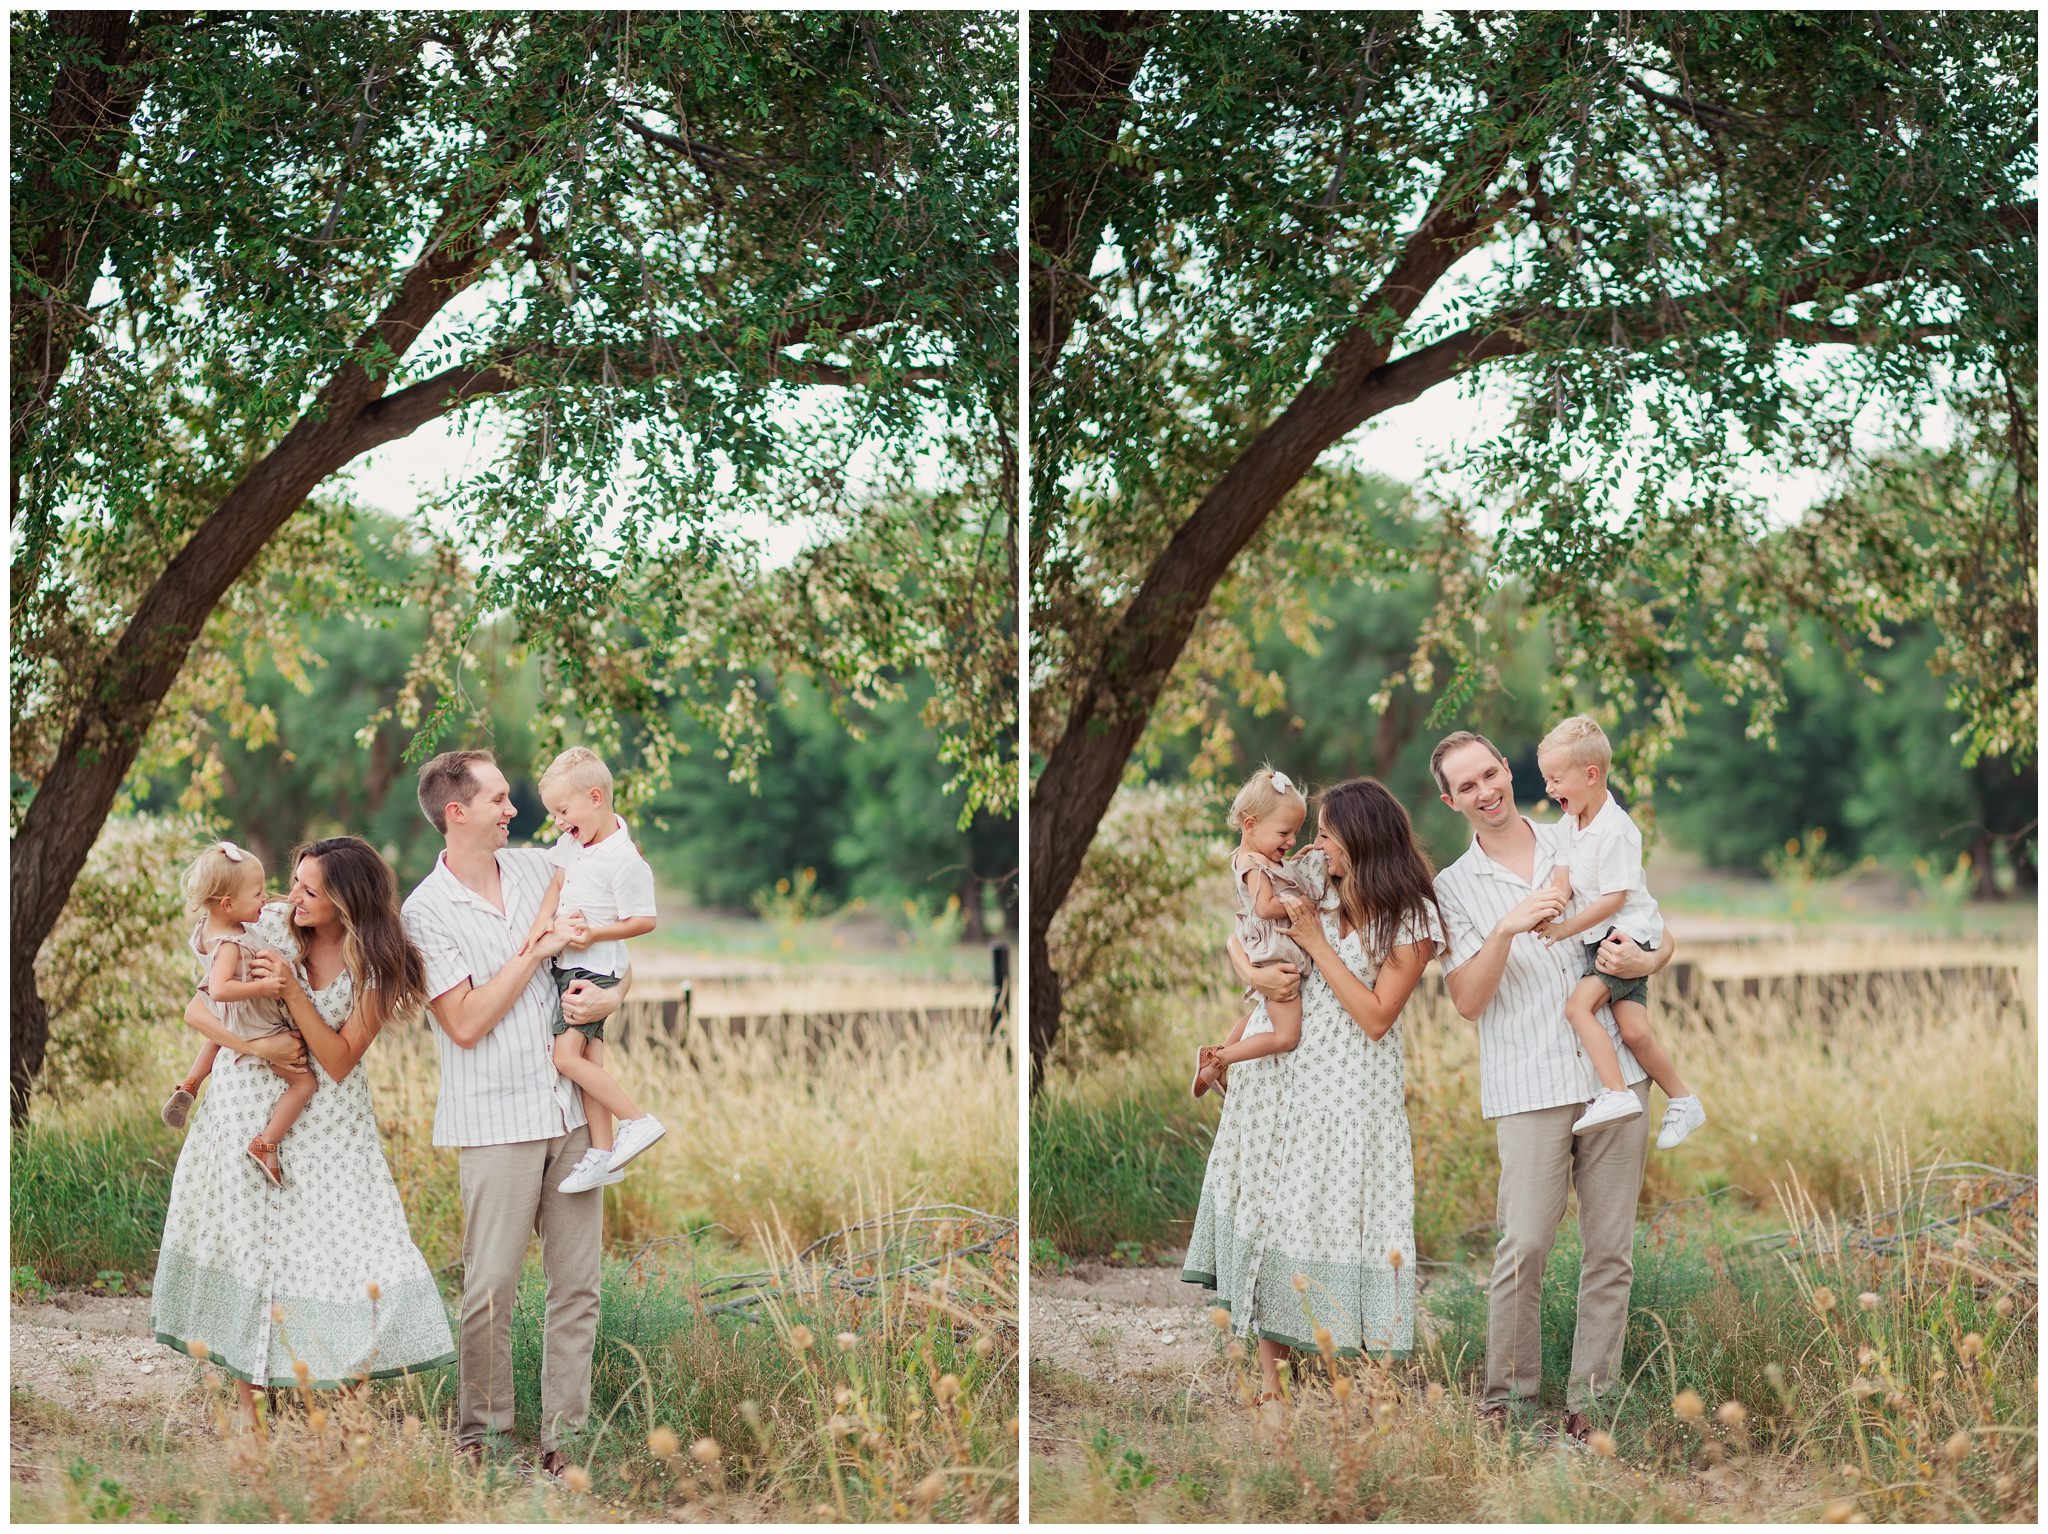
x: 284, y: 1053
x: 269, y: 973
x: 1305, y: 926
x: 1275, y: 982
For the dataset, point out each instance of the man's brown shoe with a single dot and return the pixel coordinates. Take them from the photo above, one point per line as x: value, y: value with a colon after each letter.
x: 1578, y: 1426
x: 553, y: 1463
x: 1494, y: 1417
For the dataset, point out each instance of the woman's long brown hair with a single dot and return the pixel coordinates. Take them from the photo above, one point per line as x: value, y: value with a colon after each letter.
x: 389, y: 973
x: 1390, y: 878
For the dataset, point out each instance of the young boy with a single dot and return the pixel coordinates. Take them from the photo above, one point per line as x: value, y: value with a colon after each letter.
x: 1600, y: 874
x: 607, y: 891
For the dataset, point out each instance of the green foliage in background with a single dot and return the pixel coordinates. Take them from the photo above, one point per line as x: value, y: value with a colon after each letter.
x: 1867, y: 747
x: 856, y: 792
x: 1136, y: 927
x: 119, y: 964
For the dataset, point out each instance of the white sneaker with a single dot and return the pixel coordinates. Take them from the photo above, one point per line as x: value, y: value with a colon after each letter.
x: 1682, y: 1115
x: 1607, y: 1108
x: 588, y: 1173
x: 634, y: 1136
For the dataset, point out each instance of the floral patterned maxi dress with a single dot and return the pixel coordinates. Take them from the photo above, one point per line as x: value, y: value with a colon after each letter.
x: 237, y: 1251
x: 1307, y: 1216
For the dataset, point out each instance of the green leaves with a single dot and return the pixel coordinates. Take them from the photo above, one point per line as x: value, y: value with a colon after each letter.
x: 777, y: 302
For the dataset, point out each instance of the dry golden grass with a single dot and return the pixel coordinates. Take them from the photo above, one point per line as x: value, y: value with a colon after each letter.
x: 1788, y: 1086
x: 1882, y: 1367
x: 902, y: 1406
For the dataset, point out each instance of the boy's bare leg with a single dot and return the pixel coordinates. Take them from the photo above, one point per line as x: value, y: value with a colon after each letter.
x: 600, y: 1117
x: 1582, y: 1009
x: 1633, y: 1019
x: 600, y: 1092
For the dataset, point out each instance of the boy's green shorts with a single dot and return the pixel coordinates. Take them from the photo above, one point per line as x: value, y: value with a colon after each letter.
x: 1618, y: 989
x: 564, y: 978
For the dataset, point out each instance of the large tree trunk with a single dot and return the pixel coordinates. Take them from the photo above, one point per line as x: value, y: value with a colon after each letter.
x: 73, y: 800
x: 1045, y: 1007
x: 1354, y: 383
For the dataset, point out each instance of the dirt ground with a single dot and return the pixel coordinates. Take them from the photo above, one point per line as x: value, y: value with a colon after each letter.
x: 1137, y: 1341
x: 90, y: 1352
x: 1131, y: 1325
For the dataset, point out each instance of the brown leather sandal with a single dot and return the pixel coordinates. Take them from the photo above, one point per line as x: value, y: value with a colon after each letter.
x: 264, y: 1153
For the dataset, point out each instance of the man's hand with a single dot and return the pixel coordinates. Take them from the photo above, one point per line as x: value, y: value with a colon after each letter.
x: 585, y: 1003
x: 1539, y: 910
x: 1621, y: 955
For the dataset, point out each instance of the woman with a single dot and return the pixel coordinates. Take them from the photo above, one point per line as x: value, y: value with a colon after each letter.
x: 323, y: 1271
x: 1307, y: 1218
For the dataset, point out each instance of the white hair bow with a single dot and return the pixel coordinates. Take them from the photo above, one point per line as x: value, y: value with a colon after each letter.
x: 231, y: 852
x: 1282, y: 784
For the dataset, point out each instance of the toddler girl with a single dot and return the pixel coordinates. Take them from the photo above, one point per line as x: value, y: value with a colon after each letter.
x: 1267, y: 815
x: 224, y: 889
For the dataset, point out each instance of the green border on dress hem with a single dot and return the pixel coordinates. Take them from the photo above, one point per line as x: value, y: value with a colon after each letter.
x: 1208, y: 1281
x: 292, y: 1384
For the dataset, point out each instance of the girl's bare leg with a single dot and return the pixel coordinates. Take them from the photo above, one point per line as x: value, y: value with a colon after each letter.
x: 1581, y: 1009
x: 297, y: 1094
x: 245, y: 1414
x: 202, y: 1066
x: 600, y: 1091
x: 1270, y: 1354
x: 1633, y: 1019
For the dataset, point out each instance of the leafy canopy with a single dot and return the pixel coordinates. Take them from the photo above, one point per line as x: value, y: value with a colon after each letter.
x: 1707, y: 244
x: 708, y: 273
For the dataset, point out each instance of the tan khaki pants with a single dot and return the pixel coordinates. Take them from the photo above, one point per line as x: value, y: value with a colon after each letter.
x: 1541, y: 1160
x: 508, y: 1194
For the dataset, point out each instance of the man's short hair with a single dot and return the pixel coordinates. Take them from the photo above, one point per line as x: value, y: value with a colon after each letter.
x: 582, y: 769
x: 1450, y: 743
x: 447, y: 780
x: 1581, y: 741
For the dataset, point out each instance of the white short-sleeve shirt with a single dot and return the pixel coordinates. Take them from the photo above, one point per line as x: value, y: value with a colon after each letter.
x: 608, y: 882
x: 1606, y: 855
x: 506, y: 1090
x: 1529, y: 1058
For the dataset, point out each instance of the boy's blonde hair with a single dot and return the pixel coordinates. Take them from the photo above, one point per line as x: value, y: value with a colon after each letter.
x: 1261, y: 795
x: 1582, y: 741
x: 581, y: 768
x: 222, y: 869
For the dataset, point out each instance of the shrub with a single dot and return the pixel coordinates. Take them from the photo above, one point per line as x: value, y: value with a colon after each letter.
x: 116, y: 967
x: 1137, y: 925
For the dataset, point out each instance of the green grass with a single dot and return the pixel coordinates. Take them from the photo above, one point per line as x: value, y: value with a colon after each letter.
x: 1126, y: 1171
x: 1838, y: 1379
x: 90, y: 1201
x: 726, y: 1417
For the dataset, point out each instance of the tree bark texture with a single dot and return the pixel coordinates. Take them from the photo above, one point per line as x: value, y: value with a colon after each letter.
x: 73, y: 800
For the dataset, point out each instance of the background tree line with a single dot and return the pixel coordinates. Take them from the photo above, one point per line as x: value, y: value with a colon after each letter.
x: 1863, y: 749
x: 313, y: 746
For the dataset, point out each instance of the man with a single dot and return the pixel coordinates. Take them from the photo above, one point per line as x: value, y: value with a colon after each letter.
x: 1533, y: 1083
x: 519, y: 1126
